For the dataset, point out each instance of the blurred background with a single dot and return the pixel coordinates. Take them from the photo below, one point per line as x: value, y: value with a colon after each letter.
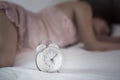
x: 36, y: 5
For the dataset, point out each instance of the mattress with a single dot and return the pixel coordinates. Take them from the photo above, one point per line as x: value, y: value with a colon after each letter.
x: 78, y: 64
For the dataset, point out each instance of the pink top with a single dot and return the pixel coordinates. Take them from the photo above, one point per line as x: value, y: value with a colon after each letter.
x: 49, y: 24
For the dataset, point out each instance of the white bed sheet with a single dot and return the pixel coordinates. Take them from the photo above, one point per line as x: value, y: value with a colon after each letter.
x: 78, y: 64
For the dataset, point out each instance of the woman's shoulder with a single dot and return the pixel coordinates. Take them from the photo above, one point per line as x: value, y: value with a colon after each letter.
x: 68, y: 4
x: 67, y: 8
x: 71, y: 5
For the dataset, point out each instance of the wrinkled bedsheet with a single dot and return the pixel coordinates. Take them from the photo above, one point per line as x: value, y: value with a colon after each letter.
x: 78, y: 64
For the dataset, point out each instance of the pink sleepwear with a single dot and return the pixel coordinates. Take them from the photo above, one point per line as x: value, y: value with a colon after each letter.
x: 48, y: 24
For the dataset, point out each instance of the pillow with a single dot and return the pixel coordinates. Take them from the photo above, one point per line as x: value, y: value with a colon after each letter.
x: 116, y: 30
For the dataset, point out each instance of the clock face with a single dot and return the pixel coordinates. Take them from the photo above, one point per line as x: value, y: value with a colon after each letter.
x: 49, y: 60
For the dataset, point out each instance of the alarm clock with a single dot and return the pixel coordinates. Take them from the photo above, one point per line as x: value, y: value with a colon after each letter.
x: 49, y: 58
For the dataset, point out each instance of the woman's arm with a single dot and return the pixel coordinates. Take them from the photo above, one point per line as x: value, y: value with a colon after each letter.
x: 109, y: 38
x: 83, y: 16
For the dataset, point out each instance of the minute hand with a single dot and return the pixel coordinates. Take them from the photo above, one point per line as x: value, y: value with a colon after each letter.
x: 53, y: 58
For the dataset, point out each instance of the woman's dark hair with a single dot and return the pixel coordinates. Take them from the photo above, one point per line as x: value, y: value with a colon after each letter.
x: 108, y: 10
x: 101, y: 8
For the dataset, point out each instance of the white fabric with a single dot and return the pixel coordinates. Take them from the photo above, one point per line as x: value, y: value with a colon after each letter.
x: 78, y: 64
x: 116, y: 30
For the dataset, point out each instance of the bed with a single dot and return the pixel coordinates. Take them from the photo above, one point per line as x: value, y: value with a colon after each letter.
x: 78, y: 64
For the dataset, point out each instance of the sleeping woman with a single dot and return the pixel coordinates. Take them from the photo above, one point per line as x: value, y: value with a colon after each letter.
x: 64, y: 24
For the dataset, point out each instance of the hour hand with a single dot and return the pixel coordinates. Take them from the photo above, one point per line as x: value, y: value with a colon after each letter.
x: 52, y: 61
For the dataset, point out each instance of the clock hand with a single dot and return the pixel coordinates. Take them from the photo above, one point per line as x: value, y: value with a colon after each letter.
x: 53, y: 58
